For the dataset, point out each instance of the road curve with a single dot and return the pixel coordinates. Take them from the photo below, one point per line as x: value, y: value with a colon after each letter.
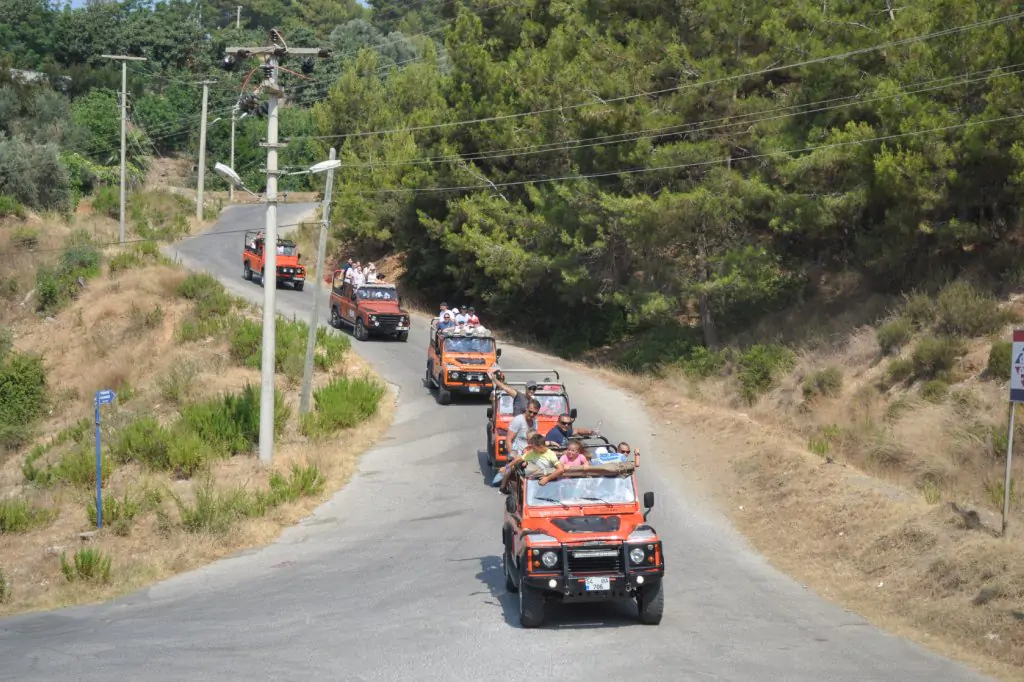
x: 398, y: 577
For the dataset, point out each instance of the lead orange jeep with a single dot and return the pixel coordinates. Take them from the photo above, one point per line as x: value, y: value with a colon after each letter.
x: 288, y: 267
x: 581, y: 537
x: 458, y: 360
x: 553, y: 398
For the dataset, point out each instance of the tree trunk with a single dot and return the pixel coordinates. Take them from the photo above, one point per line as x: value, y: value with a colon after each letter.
x: 707, y: 322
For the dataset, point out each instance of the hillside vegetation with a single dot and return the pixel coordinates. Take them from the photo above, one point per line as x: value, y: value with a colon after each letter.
x: 181, y: 482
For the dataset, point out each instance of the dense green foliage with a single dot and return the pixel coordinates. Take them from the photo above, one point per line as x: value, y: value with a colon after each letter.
x: 587, y: 169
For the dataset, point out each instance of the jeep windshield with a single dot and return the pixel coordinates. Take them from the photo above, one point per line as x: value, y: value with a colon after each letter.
x: 580, y: 491
x: 377, y: 293
x: 462, y: 344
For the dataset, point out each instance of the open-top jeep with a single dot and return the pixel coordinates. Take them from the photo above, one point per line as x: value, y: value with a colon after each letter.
x: 458, y: 359
x: 553, y: 398
x: 370, y: 309
x: 581, y: 537
x: 288, y: 267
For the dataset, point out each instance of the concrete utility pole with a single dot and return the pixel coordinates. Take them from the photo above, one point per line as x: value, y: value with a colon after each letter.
x: 234, y: 120
x: 202, y: 151
x: 321, y: 248
x: 238, y: 21
x: 124, y: 59
x: 270, y: 85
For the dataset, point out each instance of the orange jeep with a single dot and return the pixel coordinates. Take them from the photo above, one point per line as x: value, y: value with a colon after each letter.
x: 458, y: 361
x: 581, y: 537
x: 554, y: 401
x: 374, y: 308
x: 288, y: 267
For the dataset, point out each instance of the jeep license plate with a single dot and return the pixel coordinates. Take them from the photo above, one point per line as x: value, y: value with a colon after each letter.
x: 597, y: 584
x: 474, y: 389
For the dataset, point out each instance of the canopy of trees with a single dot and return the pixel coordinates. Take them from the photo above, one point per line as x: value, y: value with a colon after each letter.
x: 589, y: 168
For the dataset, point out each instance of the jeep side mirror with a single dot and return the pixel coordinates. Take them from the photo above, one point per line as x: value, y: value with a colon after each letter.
x: 298, y: 256
x: 648, y: 503
x: 490, y: 413
x: 573, y: 413
x: 497, y: 353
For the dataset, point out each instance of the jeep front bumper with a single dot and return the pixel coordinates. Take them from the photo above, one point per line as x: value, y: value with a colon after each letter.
x: 592, y: 588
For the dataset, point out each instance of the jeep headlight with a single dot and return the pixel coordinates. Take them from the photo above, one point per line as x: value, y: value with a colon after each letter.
x: 549, y: 559
x: 637, y: 555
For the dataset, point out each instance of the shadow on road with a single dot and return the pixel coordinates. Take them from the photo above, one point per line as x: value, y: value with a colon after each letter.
x: 584, y: 616
x: 485, y: 469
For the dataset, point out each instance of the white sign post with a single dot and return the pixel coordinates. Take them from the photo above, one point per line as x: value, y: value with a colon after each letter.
x: 1016, y: 396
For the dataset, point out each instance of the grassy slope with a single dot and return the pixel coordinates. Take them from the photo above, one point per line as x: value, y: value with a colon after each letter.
x: 124, y: 332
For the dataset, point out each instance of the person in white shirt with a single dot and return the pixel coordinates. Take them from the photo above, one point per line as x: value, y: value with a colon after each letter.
x: 358, y: 277
x: 371, y: 273
x: 461, y: 317
x: 444, y: 310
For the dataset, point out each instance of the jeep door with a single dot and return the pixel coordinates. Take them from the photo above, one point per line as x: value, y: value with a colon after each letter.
x: 348, y: 303
x: 337, y: 284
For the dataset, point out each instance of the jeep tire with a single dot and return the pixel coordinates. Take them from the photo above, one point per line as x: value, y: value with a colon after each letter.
x: 506, y: 563
x: 360, y: 330
x: 335, y: 318
x: 531, y: 606
x: 299, y: 285
x: 403, y: 336
x: 247, y: 272
x: 650, y: 602
x: 444, y: 396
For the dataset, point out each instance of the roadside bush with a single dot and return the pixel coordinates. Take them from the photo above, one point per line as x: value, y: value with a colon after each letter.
x: 1000, y: 360
x: 759, y: 368
x: 139, y: 255
x: 11, y: 207
x: 936, y: 355
x: 919, y: 309
x: 963, y: 310
x: 704, y: 362
x: 935, y: 390
x: 306, y: 481
x: 176, y: 386
x: 894, y: 334
x: 663, y: 345
x: 5, y: 588
x: 342, y: 404
x: 88, y: 565
x: 118, y: 514
x: 216, y: 511
x: 107, y: 201
x: 209, y: 296
x: 18, y: 516
x: 826, y: 382
x: 159, y: 214
x: 57, y: 285
x: 231, y: 423
x: 143, y: 441
x: 23, y: 387
x: 6, y: 342
x: 246, y: 346
x: 899, y: 369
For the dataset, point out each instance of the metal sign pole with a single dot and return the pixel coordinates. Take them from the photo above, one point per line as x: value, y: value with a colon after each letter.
x: 1016, y: 396
x: 104, y: 397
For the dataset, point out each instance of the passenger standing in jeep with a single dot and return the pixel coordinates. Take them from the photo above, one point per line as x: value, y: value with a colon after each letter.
x: 521, y: 398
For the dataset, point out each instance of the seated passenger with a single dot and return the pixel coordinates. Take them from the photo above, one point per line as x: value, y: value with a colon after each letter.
x: 561, y: 432
x: 444, y: 309
x: 446, y: 321
x: 574, y: 456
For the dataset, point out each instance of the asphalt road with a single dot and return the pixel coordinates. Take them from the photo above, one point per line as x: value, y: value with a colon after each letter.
x: 398, y: 577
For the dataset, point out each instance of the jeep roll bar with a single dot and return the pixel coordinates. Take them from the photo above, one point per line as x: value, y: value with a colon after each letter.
x: 533, y: 371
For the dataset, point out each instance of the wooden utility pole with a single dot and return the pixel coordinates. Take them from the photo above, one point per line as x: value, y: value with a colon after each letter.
x: 124, y: 59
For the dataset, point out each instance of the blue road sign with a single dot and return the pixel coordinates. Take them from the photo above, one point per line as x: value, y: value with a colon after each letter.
x: 105, y: 397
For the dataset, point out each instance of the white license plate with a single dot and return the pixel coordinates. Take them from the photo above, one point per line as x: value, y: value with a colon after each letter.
x: 402, y: 329
x: 597, y: 584
x: 474, y: 389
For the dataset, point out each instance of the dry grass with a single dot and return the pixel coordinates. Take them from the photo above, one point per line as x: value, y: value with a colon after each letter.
x: 105, y: 340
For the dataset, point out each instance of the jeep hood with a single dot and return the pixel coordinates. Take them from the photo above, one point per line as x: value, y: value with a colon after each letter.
x: 381, y: 308
x: 595, y: 524
x: 471, y: 360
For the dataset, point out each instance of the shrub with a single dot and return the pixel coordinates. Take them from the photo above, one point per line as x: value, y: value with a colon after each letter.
x: 899, y: 369
x: 143, y: 441
x: 90, y: 565
x: 342, y: 404
x: 246, y: 344
x: 704, y: 362
x: 935, y: 390
x: 759, y: 367
x: 18, y: 516
x: 209, y: 296
x: 306, y: 481
x: 57, y: 285
x: 6, y: 342
x: 118, y: 514
x: 189, y: 454
x: 216, y: 511
x: 965, y: 311
x: 140, y: 254
x: 919, y: 309
x: 177, y: 384
x: 1000, y: 360
x: 23, y: 387
x: 894, y: 334
x: 663, y: 345
x: 231, y: 423
x: 936, y: 355
x: 107, y: 201
x: 5, y: 588
x: 827, y: 382
x: 11, y: 207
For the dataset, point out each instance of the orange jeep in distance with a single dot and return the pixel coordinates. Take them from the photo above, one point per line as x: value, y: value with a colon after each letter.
x: 458, y: 359
x: 581, y: 537
x: 288, y: 267
x: 553, y: 399
x: 373, y: 308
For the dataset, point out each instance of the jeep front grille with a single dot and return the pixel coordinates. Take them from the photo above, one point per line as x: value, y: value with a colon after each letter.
x: 597, y: 559
x: 388, y: 321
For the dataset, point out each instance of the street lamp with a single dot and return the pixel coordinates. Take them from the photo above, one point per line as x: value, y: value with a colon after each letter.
x: 231, y: 177
x: 329, y: 167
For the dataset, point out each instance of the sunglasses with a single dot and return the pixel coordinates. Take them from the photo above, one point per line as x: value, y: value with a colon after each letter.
x: 623, y: 451
x: 565, y: 423
x: 531, y: 412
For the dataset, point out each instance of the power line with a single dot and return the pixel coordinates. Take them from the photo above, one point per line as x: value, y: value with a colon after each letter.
x: 684, y: 86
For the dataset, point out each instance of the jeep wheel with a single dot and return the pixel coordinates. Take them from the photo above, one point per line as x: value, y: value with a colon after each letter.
x: 506, y: 562
x: 263, y: 278
x: 360, y: 330
x: 335, y: 318
x: 531, y: 606
x: 430, y: 377
x: 403, y: 336
x: 299, y: 285
x: 247, y: 273
x: 651, y: 603
x: 444, y: 396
